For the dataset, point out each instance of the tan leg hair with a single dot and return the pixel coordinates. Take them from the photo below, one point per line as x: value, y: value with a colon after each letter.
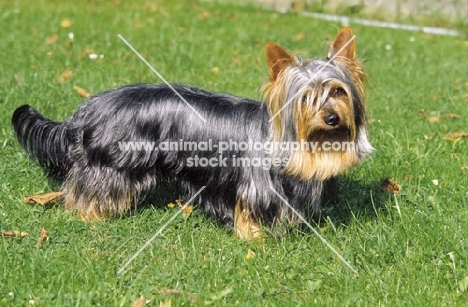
x: 95, y: 208
x: 245, y: 228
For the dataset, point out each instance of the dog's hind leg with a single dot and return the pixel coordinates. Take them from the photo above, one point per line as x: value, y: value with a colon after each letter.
x: 244, y: 226
x: 98, y: 192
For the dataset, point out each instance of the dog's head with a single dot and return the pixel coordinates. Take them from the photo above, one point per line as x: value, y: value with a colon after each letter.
x: 320, y: 102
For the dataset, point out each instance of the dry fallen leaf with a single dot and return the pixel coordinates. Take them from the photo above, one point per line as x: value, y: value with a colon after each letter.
x: 324, y: 228
x: 150, y: 7
x: 434, y: 119
x: 408, y: 177
x: 451, y: 116
x: 66, y: 23
x: 43, y: 199
x: 455, y: 136
x: 142, y: 301
x: 423, y: 113
x: 204, y: 16
x: 44, y: 235
x: 139, y: 25
x: 250, y: 254
x: 298, y: 37
x: 390, y: 186
x: 87, y: 51
x: 65, y: 76
x: 13, y: 234
x: 188, y: 209
x: 235, y: 59
x: 165, y: 291
x: 52, y: 39
x: 83, y: 93
x: 19, y: 81
x: 165, y: 303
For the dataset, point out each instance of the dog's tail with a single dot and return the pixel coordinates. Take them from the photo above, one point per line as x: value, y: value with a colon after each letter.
x: 45, y: 141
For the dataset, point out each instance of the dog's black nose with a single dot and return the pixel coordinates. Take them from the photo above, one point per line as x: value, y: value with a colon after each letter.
x: 331, y: 119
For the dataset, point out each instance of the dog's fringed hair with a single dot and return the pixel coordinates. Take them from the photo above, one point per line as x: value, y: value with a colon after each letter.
x: 319, y: 100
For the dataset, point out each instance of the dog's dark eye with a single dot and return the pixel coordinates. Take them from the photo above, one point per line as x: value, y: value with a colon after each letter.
x: 304, y: 99
x: 338, y: 92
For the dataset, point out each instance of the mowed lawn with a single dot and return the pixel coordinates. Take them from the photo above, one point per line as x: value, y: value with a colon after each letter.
x: 410, y: 249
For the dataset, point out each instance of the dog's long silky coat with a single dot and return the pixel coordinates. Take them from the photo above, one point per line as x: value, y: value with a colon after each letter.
x: 320, y: 100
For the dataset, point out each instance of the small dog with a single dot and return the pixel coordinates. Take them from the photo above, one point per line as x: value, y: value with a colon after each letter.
x: 98, y: 151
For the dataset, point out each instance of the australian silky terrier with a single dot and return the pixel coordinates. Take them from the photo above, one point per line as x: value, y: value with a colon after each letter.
x: 254, y: 158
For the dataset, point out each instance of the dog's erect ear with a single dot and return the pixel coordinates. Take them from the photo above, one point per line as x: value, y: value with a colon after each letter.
x: 345, y: 42
x: 278, y: 59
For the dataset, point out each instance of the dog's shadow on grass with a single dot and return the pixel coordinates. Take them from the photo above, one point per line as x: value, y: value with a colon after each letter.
x: 165, y: 193
x: 349, y: 200
x: 353, y: 200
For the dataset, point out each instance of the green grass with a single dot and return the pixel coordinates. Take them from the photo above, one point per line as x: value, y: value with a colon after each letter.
x: 409, y: 249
